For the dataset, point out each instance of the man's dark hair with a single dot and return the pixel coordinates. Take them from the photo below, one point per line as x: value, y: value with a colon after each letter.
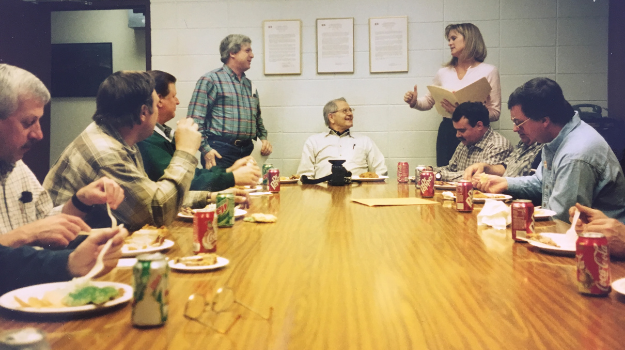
x: 120, y: 98
x: 542, y: 97
x: 162, y: 81
x: 473, y: 111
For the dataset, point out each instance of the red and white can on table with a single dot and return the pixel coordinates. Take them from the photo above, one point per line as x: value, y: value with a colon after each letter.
x: 204, y: 232
x: 402, y: 172
x: 273, y: 180
x: 417, y: 174
x: 522, y: 219
x: 464, y: 196
x: 593, y: 264
x: 427, y: 183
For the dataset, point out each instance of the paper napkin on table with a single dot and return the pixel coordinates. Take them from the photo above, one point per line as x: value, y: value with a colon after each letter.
x: 393, y: 201
x: 450, y: 196
x: 495, y: 214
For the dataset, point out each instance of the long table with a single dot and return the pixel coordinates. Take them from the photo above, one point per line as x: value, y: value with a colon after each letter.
x: 341, y: 275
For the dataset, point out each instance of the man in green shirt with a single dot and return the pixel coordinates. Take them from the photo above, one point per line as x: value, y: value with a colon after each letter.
x: 158, y: 149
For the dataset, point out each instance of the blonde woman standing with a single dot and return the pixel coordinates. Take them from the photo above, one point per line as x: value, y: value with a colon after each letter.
x: 466, y: 66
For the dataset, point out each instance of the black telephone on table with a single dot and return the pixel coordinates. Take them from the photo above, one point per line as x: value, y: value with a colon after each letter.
x: 339, y: 176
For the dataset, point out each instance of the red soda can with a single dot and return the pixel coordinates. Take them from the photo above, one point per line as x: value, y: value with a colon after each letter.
x: 464, y: 196
x: 204, y: 232
x: 273, y: 180
x: 522, y: 219
x: 593, y: 268
x: 427, y: 183
x: 417, y: 175
x: 402, y: 172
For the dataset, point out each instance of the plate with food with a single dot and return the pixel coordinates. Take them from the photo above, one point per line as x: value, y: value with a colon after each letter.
x: 558, y: 243
x: 188, y: 213
x: 199, y: 262
x: 250, y: 189
x: 67, y: 297
x: 293, y: 179
x: 369, y: 177
x: 148, y: 239
x: 481, y: 197
x: 444, y: 185
x: 543, y: 214
x: 411, y: 178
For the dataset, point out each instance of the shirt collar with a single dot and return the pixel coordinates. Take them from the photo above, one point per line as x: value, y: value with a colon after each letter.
x: 555, y: 143
x: 164, y: 131
x: 483, y: 142
x: 231, y: 73
x: 344, y: 133
x: 5, y: 170
x: 112, y: 132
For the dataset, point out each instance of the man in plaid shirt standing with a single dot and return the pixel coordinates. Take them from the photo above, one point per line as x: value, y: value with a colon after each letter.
x: 226, y: 107
x: 478, y: 142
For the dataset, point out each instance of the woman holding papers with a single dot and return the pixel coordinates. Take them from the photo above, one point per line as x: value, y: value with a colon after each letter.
x: 464, y: 78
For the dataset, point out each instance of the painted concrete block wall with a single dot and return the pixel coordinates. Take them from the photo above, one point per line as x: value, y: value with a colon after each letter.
x: 566, y: 40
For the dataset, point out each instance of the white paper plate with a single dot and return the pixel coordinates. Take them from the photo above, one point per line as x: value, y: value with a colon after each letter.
x: 543, y: 214
x: 130, y: 253
x: 237, y: 214
x: 221, y: 262
x: 446, y: 187
x: 482, y: 200
x: 250, y: 189
x: 381, y: 178
x: 289, y: 181
x: 619, y: 286
x: 566, y: 245
x: 8, y: 301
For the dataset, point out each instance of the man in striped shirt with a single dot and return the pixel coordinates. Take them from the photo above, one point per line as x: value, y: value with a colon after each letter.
x: 478, y: 142
x: 226, y: 107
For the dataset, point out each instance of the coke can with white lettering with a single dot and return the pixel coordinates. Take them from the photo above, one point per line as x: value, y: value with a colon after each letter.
x: 522, y: 219
x: 427, y: 183
x: 464, y: 196
x: 417, y: 175
x: 204, y: 232
x: 273, y: 180
x: 402, y: 172
x: 593, y: 264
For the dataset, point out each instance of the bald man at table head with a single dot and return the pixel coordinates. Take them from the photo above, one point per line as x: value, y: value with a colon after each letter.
x: 359, y: 152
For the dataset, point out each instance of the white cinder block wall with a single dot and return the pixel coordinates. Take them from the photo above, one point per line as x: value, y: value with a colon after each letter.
x: 566, y: 40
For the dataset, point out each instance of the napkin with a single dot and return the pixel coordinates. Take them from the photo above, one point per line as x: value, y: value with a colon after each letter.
x: 495, y: 214
x: 450, y: 196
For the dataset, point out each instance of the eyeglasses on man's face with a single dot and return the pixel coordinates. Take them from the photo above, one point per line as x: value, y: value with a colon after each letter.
x: 519, y: 123
x: 345, y: 110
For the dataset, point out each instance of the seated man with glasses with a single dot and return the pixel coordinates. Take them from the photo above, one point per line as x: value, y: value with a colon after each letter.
x: 479, y: 143
x: 359, y: 152
x: 578, y: 165
x: 521, y: 162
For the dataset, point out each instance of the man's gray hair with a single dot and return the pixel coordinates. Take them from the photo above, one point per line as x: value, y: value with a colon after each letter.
x: 17, y: 83
x: 232, y: 45
x: 331, y: 107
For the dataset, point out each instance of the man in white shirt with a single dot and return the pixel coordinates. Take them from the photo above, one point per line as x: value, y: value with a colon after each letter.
x: 359, y: 152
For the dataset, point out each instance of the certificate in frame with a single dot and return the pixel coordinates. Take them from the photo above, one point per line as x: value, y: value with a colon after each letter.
x: 282, y: 44
x: 335, y: 45
x: 388, y: 44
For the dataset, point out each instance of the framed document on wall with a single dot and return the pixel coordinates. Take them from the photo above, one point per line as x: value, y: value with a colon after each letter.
x: 335, y: 45
x: 282, y: 43
x: 388, y: 44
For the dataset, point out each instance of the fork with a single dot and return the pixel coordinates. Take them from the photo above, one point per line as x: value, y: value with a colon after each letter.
x: 113, y: 220
x: 571, y: 231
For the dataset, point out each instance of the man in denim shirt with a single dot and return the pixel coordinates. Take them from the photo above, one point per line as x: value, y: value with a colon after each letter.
x: 578, y: 166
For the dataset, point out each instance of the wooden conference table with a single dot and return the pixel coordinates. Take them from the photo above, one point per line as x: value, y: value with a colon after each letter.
x: 341, y: 275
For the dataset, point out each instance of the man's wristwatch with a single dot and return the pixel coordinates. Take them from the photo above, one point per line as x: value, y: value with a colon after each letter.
x: 80, y: 205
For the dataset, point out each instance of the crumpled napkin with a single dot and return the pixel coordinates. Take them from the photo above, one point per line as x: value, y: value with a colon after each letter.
x: 448, y: 195
x: 495, y: 214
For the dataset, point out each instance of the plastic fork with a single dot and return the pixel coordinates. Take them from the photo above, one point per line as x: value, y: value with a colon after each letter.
x: 571, y: 231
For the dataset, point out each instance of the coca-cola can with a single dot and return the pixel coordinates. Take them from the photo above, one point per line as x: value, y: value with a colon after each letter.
x: 593, y: 264
x: 464, y: 196
x: 204, y: 232
x: 427, y: 183
x: 273, y: 180
x: 402, y: 172
x: 522, y: 219
x: 417, y: 175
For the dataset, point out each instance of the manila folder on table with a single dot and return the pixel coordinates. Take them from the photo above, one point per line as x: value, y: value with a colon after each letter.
x: 393, y: 201
x: 475, y: 92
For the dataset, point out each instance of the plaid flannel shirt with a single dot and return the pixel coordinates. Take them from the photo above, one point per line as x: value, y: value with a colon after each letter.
x: 20, y: 208
x: 100, y: 151
x: 493, y: 148
x: 519, y: 162
x: 222, y: 105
